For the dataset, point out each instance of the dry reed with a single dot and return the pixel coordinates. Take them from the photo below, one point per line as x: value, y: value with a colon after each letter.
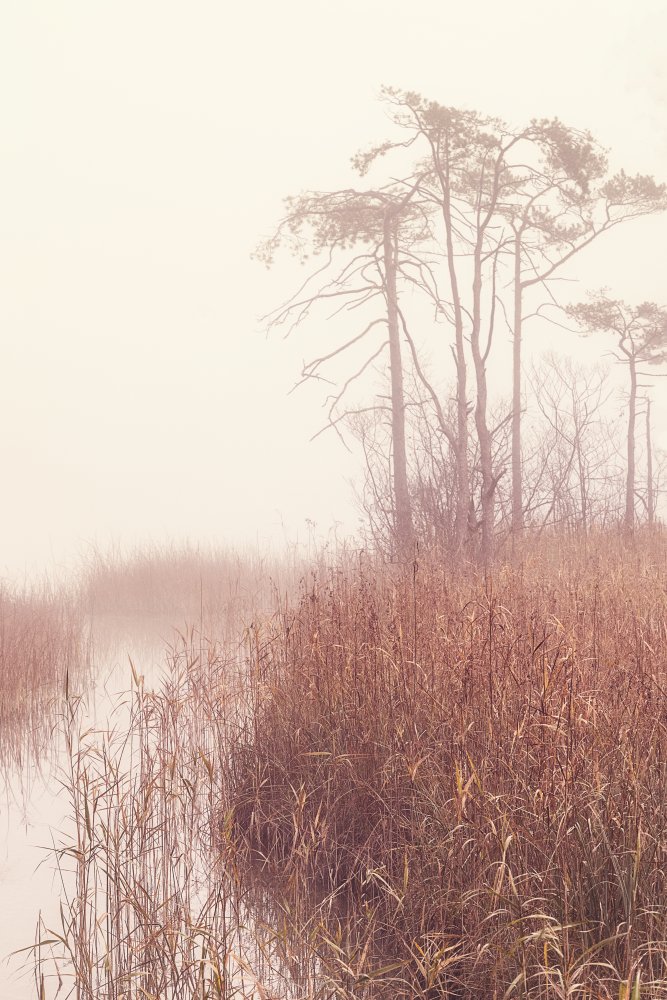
x: 460, y: 780
x: 416, y: 783
x: 43, y: 644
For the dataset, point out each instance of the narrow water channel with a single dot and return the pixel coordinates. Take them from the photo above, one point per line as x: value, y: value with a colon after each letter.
x: 35, y: 810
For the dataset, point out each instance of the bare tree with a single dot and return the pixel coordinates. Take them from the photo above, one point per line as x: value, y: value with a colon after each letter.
x: 534, y: 196
x: 490, y: 207
x: 570, y: 464
x: 641, y: 338
x: 463, y: 175
x: 373, y: 231
x: 558, y: 199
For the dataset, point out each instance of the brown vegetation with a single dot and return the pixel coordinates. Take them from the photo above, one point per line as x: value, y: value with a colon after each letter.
x: 470, y: 771
x: 42, y: 645
x: 414, y: 783
x: 212, y: 587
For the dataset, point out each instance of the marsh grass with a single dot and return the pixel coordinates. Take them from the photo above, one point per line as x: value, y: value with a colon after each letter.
x: 149, y: 909
x: 460, y: 780
x: 44, y: 645
x: 410, y: 782
x: 208, y: 586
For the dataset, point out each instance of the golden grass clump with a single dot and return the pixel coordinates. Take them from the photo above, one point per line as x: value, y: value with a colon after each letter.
x: 456, y: 783
x: 408, y: 782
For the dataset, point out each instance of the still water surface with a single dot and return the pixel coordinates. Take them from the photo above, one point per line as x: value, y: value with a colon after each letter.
x: 34, y: 808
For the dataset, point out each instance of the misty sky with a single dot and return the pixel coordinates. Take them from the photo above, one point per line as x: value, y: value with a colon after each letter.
x: 146, y: 147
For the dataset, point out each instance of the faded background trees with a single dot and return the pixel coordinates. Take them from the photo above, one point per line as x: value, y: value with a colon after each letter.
x: 640, y: 333
x: 457, y: 248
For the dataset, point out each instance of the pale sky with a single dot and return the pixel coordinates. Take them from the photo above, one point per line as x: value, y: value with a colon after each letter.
x: 145, y: 148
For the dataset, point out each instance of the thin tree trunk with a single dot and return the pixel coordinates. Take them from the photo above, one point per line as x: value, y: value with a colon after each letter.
x: 403, y: 525
x: 486, y: 465
x: 581, y: 467
x: 517, y: 477
x: 583, y: 497
x: 481, y: 423
x: 650, y: 493
x: 462, y: 431
x: 632, y: 416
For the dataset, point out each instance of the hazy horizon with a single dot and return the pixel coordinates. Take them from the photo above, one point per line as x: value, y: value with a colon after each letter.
x: 146, y: 150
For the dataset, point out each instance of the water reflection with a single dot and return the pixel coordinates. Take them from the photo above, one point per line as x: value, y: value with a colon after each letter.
x: 111, y: 811
x: 34, y: 808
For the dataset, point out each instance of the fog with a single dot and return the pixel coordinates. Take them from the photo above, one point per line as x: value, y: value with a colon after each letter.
x: 146, y: 148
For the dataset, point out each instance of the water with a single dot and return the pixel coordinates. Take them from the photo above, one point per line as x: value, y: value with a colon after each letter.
x: 132, y: 656
x: 34, y: 808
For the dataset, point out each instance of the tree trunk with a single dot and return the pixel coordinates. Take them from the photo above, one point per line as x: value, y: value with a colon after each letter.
x: 486, y: 463
x: 630, y: 481
x: 578, y: 431
x: 481, y: 424
x: 650, y: 493
x: 461, y: 527
x: 403, y: 526
x: 462, y: 470
x: 583, y: 492
x: 517, y: 477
